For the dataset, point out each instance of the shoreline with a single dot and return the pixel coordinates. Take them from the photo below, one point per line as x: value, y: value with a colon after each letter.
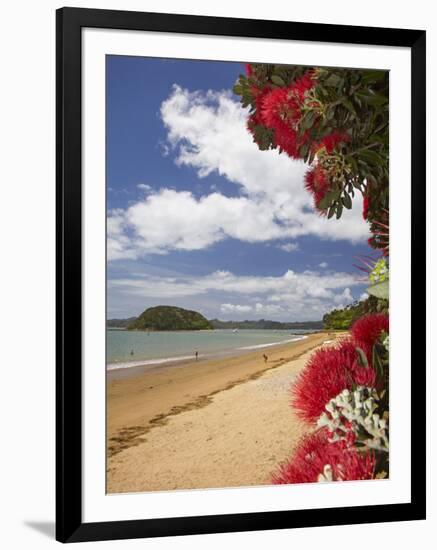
x: 143, y: 365
x: 142, y: 406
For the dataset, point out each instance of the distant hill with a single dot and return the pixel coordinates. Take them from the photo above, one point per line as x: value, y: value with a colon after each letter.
x: 264, y: 324
x: 261, y: 324
x: 119, y: 323
x: 169, y: 318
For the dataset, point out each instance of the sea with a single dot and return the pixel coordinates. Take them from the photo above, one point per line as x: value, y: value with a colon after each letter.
x: 125, y: 349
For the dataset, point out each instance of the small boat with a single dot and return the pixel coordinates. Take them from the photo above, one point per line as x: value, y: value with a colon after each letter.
x: 235, y: 330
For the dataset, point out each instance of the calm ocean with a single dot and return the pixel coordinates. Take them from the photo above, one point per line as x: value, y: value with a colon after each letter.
x: 129, y: 348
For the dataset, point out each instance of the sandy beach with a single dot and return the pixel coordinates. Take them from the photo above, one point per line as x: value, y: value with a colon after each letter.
x: 217, y: 423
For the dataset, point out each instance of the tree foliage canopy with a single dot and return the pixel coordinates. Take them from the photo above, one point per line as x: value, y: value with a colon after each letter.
x: 334, y: 119
x: 343, y: 318
x: 169, y: 318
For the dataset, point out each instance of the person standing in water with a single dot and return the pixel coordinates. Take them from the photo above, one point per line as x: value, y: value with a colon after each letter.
x: 197, y: 355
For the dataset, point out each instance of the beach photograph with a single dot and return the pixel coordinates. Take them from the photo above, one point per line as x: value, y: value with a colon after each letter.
x: 247, y: 291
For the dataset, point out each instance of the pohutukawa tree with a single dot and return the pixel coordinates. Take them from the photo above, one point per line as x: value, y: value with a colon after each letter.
x: 334, y: 119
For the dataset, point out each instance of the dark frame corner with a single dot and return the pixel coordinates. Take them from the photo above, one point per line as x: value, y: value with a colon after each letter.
x: 69, y: 24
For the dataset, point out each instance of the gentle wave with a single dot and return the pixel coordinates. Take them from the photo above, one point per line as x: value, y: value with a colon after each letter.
x: 144, y: 362
x: 259, y: 346
x: 151, y: 362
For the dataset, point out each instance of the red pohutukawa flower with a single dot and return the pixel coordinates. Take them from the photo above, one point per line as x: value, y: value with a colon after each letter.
x: 278, y: 114
x: 317, y: 183
x: 275, y: 105
x: 281, y: 111
x: 316, y: 459
x: 364, y: 376
x: 302, y: 85
x: 248, y: 69
x: 255, y: 118
x: 288, y: 141
x: 367, y: 330
x: 327, y: 373
x: 330, y: 142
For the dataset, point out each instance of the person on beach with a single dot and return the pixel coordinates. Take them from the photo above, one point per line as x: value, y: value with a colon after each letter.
x: 265, y: 358
x: 197, y: 355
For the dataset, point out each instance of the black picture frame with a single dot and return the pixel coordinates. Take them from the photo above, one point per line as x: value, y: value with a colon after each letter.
x: 69, y: 525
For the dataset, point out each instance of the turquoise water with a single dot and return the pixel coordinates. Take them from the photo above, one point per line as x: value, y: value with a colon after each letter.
x: 129, y: 348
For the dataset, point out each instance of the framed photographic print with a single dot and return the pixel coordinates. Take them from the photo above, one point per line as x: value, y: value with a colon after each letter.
x: 240, y: 258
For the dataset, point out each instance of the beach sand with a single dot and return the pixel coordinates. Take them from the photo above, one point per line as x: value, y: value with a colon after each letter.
x: 218, y: 423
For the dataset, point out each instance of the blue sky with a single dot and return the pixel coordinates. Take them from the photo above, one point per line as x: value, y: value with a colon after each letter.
x: 200, y: 218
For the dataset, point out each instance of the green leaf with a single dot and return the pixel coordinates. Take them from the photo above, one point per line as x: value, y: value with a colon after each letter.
x: 379, y: 139
x: 379, y: 290
x: 325, y: 202
x: 353, y: 164
x: 362, y: 356
x: 376, y: 360
x: 322, y: 91
x: 340, y: 85
x: 331, y: 211
x: 277, y: 80
x: 307, y: 120
x: 339, y: 210
x: 370, y: 156
x: 372, y: 76
x: 349, y: 106
x: 333, y: 80
x: 356, y: 184
x: 347, y: 202
x: 326, y: 131
x: 330, y: 112
x: 304, y: 150
x: 375, y: 100
x: 311, y: 156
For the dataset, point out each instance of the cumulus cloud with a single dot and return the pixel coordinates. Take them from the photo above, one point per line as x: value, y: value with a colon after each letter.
x: 303, y: 295
x: 144, y: 187
x: 289, y: 247
x: 235, y: 308
x: 119, y: 245
x: 344, y: 298
x: 207, y: 132
x: 323, y: 264
x: 269, y: 309
x: 306, y: 283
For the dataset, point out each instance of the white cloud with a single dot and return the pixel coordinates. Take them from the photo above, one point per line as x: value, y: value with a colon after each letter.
x: 289, y: 247
x: 235, y: 308
x: 323, y: 264
x: 269, y: 309
x: 292, y: 296
x: 118, y: 244
x: 207, y: 131
x: 144, y: 187
x: 344, y: 298
x: 306, y: 283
